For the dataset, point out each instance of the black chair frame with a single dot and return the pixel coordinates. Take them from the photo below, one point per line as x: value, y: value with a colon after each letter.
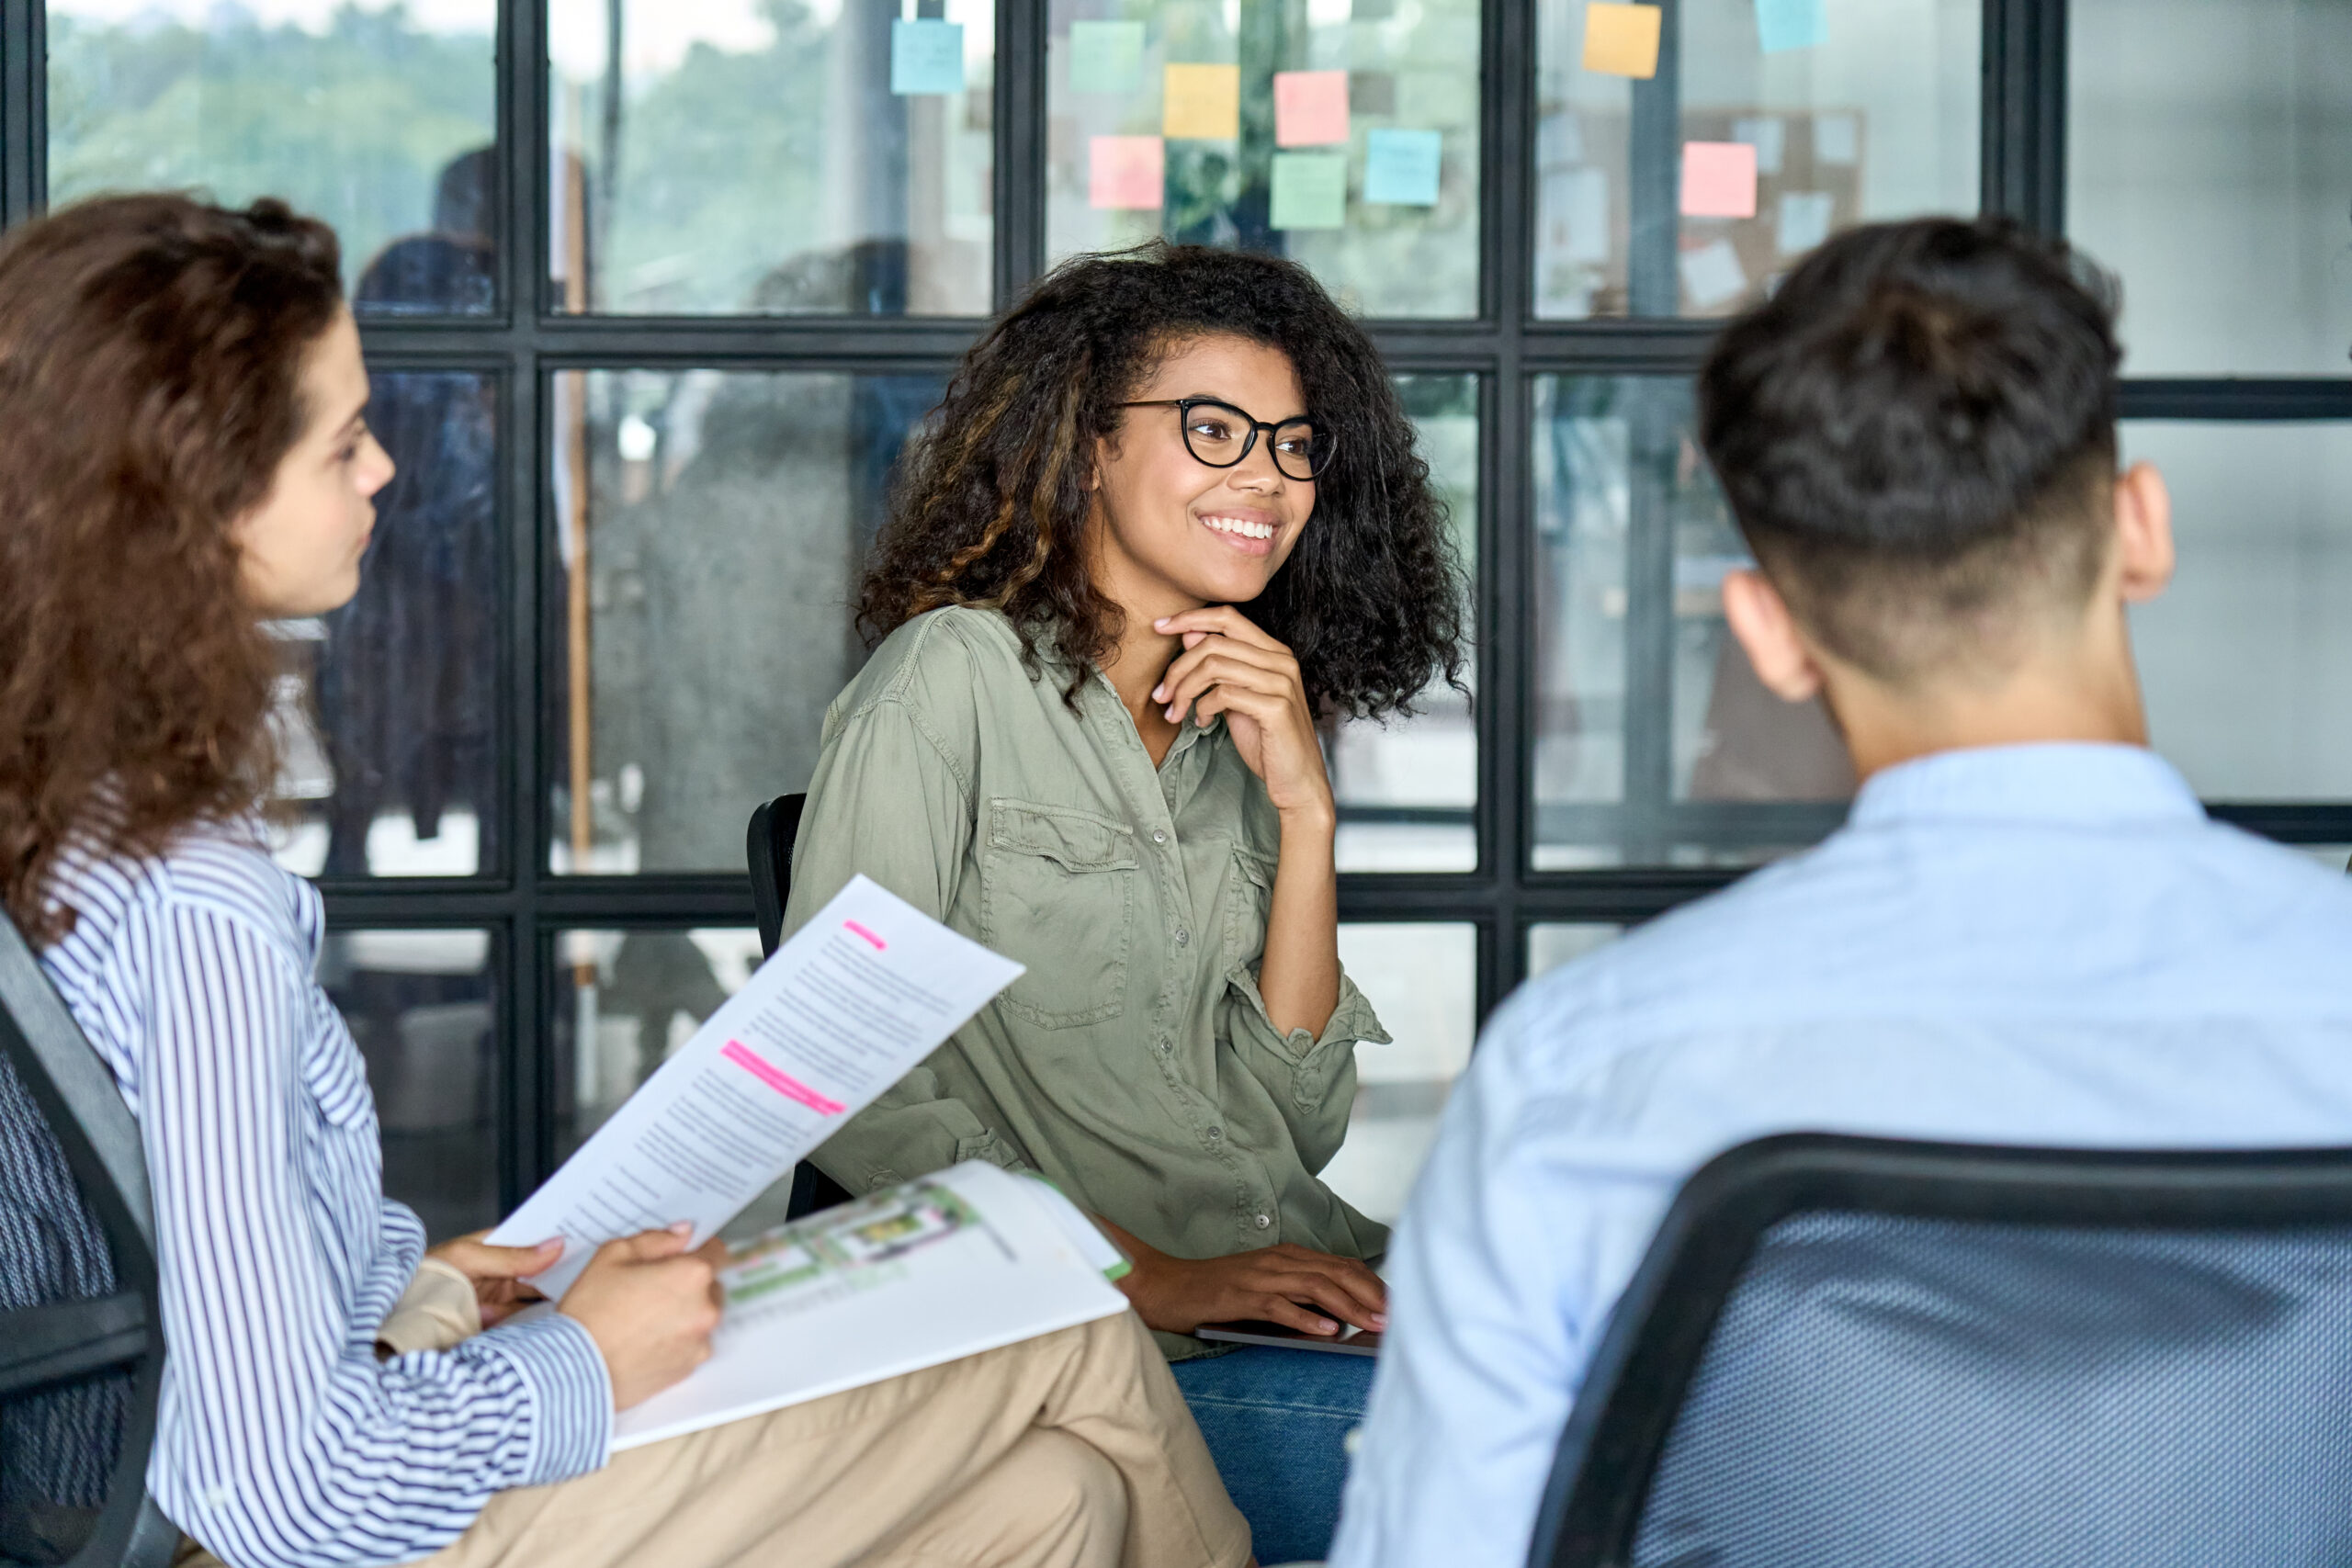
x: 56, y: 1344
x: 776, y: 826
x: 1617, y: 1432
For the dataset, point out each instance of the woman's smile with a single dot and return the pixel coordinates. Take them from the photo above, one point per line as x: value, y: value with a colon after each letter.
x: 1248, y: 530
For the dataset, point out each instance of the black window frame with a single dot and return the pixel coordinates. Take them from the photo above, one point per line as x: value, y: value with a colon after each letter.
x: 526, y: 343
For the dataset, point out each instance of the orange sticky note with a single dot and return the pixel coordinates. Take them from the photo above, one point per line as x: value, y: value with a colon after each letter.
x: 1310, y: 107
x: 1621, y: 40
x: 1718, y: 179
x: 1202, y: 102
x: 1127, y: 172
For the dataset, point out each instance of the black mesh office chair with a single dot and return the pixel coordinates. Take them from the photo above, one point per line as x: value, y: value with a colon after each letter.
x: 1852, y: 1353
x: 775, y: 825
x: 81, y: 1340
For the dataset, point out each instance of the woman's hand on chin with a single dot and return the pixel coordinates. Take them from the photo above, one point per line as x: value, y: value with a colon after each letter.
x: 1229, y: 667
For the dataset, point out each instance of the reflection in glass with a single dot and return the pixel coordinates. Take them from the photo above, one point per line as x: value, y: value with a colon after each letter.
x: 1652, y: 736
x: 2246, y: 658
x: 1422, y: 981
x: 1876, y: 119
x: 387, y: 709
x: 1551, y: 944
x: 626, y: 1001
x: 376, y: 118
x: 712, y: 527
x: 772, y: 157
x: 1407, y: 788
x: 1163, y: 118
x: 2209, y: 160
x: 423, y: 1007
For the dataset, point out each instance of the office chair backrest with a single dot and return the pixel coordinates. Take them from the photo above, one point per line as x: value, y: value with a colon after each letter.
x: 1856, y: 1353
x: 775, y: 824
x: 81, y: 1340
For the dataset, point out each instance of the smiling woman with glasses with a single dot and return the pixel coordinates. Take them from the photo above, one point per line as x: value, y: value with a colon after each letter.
x: 1166, y: 527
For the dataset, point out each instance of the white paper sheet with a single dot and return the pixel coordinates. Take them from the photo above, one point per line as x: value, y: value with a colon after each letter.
x: 945, y: 1267
x: 861, y: 994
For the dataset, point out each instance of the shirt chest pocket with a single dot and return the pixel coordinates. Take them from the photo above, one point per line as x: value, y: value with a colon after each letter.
x: 1057, y: 894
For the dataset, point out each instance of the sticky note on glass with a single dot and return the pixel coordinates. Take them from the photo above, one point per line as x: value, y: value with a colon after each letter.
x: 1806, y: 217
x: 1310, y: 190
x: 1310, y: 107
x: 1126, y: 173
x: 1769, y: 135
x: 1718, y: 179
x: 1400, y: 167
x: 1836, y: 138
x: 1105, y: 57
x: 1791, y: 23
x: 926, y: 56
x: 1621, y: 40
x: 1202, y: 102
x: 1712, y: 274
x: 1575, y: 213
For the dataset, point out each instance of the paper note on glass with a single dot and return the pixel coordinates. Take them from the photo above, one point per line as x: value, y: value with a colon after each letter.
x: 1712, y: 274
x: 1126, y: 173
x: 1836, y: 138
x: 1310, y: 190
x: 1791, y: 23
x: 861, y: 994
x: 1400, y: 167
x: 1768, y: 135
x: 1202, y: 102
x: 926, y: 56
x: 1105, y: 57
x: 1804, y: 220
x: 1718, y: 179
x: 1310, y: 107
x: 1621, y: 40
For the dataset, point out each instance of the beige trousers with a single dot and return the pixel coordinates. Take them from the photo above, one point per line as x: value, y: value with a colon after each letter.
x: 1071, y: 1450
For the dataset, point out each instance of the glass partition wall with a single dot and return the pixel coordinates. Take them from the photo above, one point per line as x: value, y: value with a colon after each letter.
x: 654, y: 295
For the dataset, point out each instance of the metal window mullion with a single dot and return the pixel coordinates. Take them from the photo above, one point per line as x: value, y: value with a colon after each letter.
x: 1018, y: 127
x: 24, y: 131
x: 2022, y: 161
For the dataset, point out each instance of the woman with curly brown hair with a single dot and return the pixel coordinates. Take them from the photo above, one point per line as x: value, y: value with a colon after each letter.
x: 188, y: 457
x: 1167, y: 522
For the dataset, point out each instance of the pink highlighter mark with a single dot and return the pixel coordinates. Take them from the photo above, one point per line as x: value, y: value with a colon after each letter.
x: 784, y: 1084
x: 859, y: 930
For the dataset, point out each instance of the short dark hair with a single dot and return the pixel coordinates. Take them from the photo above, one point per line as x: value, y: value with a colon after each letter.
x: 1915, y: 433
x: 993, y: 501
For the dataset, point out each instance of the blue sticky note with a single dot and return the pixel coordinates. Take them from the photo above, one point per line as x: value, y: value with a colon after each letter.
x: 926, y: 56
x: 1105, y: 57
x: 1791, y: 23
x: 1400, y: 167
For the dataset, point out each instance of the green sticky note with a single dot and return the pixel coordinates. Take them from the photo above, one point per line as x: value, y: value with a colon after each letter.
x: 1310, y: 190
x: 1105, y: 57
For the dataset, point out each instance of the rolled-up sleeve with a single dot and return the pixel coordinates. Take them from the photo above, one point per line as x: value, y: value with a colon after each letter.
x: 282, y: 1441
x: 1312, y: 1078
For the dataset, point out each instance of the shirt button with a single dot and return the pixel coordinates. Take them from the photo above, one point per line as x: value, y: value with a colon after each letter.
x: 1215, y: 1134
x: 1159, y: 836
x: 1264, y: 1222
x: 1183, y: 936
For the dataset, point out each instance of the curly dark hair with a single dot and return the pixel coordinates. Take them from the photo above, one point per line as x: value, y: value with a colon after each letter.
x: 151, y: 357
x: 992, y: 502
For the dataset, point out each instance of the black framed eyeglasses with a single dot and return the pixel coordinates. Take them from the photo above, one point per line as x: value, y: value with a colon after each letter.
x: 1222, y: 436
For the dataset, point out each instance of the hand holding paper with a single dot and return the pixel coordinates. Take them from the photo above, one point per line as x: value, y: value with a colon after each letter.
x: 863, y: 992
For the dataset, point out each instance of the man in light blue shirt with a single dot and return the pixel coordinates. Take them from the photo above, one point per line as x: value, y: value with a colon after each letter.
x: 2028, y: 932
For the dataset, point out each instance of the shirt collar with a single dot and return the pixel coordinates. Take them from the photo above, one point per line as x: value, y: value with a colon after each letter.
x: 2076, y: 783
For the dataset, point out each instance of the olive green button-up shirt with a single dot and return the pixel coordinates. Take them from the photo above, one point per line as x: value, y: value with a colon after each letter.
x: 1134, y: 1062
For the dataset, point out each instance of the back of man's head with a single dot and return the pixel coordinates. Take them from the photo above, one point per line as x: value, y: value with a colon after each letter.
x: 1917, y: 434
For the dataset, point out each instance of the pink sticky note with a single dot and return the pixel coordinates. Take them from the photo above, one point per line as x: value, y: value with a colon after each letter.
x: 1718, y: 179
x: 1126, y: 172
x: 1310, y: 107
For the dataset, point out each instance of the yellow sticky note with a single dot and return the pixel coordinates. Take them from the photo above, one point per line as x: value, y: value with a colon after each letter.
x: 1202, y: 102
x: 1621, y: 40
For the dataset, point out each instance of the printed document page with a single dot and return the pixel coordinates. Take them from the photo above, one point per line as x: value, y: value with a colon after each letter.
x: 945, y: 1267
x: 860, y: 995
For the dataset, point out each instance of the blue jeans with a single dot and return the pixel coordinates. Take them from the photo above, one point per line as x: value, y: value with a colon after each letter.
x: 1277, y: 1424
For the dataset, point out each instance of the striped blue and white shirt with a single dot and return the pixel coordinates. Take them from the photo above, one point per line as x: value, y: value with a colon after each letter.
x: 282, y: 1441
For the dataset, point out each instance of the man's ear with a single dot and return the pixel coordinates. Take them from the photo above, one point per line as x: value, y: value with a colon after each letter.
x: 1760, y: 620
x: 2143, y: 532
